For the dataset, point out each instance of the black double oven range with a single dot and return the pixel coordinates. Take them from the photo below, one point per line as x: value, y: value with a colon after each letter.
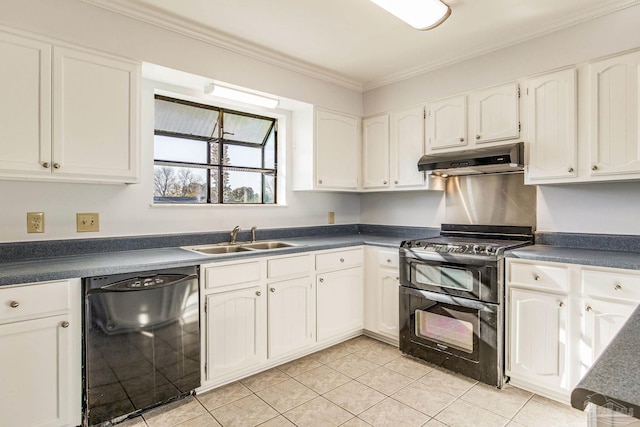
x: 452, y: 298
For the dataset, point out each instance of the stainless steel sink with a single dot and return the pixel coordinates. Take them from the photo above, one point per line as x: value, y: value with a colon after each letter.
x: 267, y: 245
x: 222, y: 248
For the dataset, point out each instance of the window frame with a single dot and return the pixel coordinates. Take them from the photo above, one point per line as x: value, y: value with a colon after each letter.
x: 212, y: 164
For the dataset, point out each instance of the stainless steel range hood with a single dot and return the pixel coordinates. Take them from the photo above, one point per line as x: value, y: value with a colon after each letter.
x: 500, y: 159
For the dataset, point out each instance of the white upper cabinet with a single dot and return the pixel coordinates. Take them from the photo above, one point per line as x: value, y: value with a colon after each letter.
x: 407, y: 146
x: 67, y: 114
x: 484, y: 117
x: 615, y: 93
x: 494, y: 114
x: 447, y: 123
x: 95, y: 112
x: 337, y: 151
x: 375, y: 152
x: 552, y: 141
x: 25, y: 106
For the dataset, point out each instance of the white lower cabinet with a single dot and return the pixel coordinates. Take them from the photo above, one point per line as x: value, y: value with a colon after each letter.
x: 339, y: 302
x: 381, y: 293
x: 560, y: 318
x: 262, y: 312
x: 236, y: 331
x: 40, y: 374
x: 291, y: 315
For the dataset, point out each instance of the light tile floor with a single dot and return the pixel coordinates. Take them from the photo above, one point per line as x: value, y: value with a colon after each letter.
x: 361, y: 382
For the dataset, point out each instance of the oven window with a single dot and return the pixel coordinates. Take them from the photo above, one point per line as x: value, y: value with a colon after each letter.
x: 442, y: 276
x: 452, y: 332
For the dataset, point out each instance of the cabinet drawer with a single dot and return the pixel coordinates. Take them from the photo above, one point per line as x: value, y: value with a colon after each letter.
x: 290, y: 266
x: 340, y: 259
x: 611, y: 285
x: 33, y: 300
x: 232, y: 274
x: 388, y: 258
x: 543, y: 276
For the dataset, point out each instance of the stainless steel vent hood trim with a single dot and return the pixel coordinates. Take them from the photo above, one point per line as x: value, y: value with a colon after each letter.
x: 500, y: 159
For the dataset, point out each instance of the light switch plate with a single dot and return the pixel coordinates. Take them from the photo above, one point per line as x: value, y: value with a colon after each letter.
x: 86, y: 222
x: 35, y: 222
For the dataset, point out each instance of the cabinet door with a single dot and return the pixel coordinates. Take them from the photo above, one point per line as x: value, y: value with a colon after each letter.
x: 494, y: 114
x: 25, y: 106
x: 447, y: 123
x: 551, y: 103
x: 35, y: 372
x: 538, y: 337
x: 95, y: 116
x: 236, y: 331
x: 388, y: 302
x: 375, y: 152
x: 602, y: 321
x: 407, y: 146
x: 292, y: 314
x: 615, y: 93
x: 337, y: 151
x: 339, y: 302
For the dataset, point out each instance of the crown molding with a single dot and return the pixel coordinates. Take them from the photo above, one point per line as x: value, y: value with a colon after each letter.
x: 584, y: 16
x: 163, y: 19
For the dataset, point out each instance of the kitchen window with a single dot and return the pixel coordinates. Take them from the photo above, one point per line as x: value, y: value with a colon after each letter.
x: 210, y: 155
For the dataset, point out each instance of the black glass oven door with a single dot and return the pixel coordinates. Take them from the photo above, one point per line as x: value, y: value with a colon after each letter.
x: 479, y: 282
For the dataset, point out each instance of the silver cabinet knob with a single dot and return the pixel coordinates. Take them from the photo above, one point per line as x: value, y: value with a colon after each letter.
x: 388, y: 259
x: 46, y: 165
x: 461, y: 139
x: 397, y: 278
x: 341, y: 259
x: 536, y: 277
x: 594, y: 168
x: 14, y: 304
x: 321, y: 280
x: 560, y: 304
x: 395, y: 182
x: 477, y: 136
x: 617, y: 287
x: 272, y: 289
x: 570, y: 170
x: 384, y: 182
x: 65, y: 324
x: 56, y: 165
x: 319, y: 181
x: 588, y: 308
x: 258, y: 293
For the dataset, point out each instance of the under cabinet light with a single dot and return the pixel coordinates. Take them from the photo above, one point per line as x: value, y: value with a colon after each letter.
x: 420, y: 14
x: 241, y: 96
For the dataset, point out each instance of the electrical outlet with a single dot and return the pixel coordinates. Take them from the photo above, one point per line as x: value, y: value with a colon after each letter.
x: 332, y: 217
x: 87, y: 222
x: 35, y: 222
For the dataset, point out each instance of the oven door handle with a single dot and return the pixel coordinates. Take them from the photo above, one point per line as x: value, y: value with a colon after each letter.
x: 449, y: 299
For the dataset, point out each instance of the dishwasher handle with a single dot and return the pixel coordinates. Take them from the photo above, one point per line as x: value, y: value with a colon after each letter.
x: 147, y: 282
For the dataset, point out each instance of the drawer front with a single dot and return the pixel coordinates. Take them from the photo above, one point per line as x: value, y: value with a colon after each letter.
x: 290, y: 266
x: 543, y: 276
x: 232, y: 274
x: 388, y: 258
x: 34, y: 300
x: 339, y: 259
x: 611, y: 285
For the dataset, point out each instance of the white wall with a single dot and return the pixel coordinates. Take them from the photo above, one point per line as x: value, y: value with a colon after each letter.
x: 582, y: 208
x: 127, y: 210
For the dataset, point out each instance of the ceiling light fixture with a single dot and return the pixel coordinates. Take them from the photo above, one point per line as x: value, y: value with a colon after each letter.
x: 240, y: 95
x: 420, y: 14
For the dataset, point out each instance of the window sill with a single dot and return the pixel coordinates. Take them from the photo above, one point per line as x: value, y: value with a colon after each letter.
x: 212, y: 205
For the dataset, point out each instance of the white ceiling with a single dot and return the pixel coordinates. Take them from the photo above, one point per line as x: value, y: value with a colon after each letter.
x: 355, y: 43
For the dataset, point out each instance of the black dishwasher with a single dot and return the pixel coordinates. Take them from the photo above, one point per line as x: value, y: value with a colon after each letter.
x: 141, y: 342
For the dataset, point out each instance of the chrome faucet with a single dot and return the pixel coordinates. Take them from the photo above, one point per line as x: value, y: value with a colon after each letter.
x: 234, y: 234
x: 253, y: 233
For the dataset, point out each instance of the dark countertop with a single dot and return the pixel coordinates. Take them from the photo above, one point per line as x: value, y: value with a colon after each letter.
x: 601, y: 258
x: 74, y: 266
x: 614, y: 379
